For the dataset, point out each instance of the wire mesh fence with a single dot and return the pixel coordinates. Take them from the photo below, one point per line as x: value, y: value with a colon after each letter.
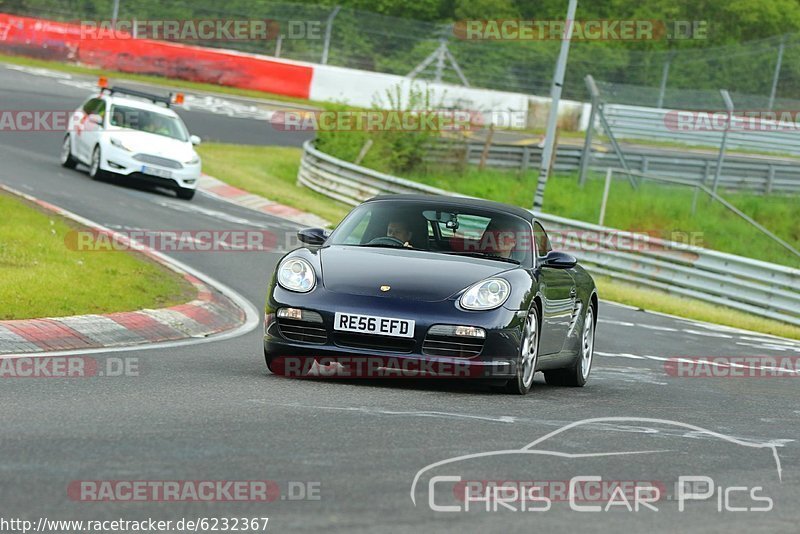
x: 683, y: 77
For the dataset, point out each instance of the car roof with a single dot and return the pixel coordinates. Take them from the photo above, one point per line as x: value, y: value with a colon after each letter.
x: 139, y: 103
x: 460, y: 202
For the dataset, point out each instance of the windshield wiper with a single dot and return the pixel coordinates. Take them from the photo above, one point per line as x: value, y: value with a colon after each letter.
x: 482, y: 255
x: 380, y: 245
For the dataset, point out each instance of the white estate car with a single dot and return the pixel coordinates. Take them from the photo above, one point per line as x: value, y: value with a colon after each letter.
x: 135, y: 135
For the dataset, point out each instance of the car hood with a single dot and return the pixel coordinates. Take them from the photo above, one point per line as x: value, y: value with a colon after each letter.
x: 411, y: 274
x: 154, y: 144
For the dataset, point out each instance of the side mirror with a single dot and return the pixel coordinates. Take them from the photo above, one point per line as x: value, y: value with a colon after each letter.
x: 195, y: 140
x: 559, y: 260
x: 96, y: 119
x: 312, y: 236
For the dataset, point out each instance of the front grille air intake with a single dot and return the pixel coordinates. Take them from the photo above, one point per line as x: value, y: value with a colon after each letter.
x: 308, y: 330
x: 441, y: 341
x: 156, y: 160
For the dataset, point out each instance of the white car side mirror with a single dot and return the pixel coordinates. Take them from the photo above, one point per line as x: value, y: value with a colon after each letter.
x: 195, y: 140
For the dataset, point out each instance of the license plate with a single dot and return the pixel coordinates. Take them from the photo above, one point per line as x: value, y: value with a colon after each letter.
x: 161, y: 173
x: 370, y: 324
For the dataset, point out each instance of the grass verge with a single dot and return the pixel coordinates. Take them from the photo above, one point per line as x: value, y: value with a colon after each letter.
x: 41, y: 277
x: 272, y: 172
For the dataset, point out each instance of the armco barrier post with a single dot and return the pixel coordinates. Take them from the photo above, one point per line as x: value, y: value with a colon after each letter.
x: 487, y: 145
x: 694, y: 199
x: 776, y: 75
x: 587, y: 144
x: 526, y: 159
x: 606, y: 188
x: 664, y: 76
x: 770, y: 179
x: 729, y: 105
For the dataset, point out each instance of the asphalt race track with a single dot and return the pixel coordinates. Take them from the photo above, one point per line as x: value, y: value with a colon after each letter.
x: 211, y: 411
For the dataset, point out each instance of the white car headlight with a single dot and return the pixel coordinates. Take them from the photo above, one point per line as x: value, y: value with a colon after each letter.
x: 486, y: 295
x: 119, y: 144
x: 194, y: 161
x: 295, y: 274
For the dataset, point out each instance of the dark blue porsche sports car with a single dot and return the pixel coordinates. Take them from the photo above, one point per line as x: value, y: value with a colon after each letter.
x: 442, y: 286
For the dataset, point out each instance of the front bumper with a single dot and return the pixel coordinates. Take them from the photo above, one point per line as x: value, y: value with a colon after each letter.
x: 497, y: 358
x: 122, y: 162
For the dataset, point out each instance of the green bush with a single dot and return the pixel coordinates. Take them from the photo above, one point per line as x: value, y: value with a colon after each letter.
x: 394, y: 150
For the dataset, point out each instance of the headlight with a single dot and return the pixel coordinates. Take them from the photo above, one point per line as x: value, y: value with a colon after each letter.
x: 486, y: 295
x: 119, y: 144
x: 194, y: 161
x: 295, y: 274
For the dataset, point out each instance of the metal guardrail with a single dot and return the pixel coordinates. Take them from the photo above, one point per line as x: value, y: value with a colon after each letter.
x: 635, y: 122
x: 738, y: 173
x: 748, y: 285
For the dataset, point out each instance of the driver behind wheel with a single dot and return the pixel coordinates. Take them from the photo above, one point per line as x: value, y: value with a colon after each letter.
x: 499, y: 239
x: 399, y: 230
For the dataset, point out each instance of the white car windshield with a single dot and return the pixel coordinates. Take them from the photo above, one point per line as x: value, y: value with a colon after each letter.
x: 148, y: 121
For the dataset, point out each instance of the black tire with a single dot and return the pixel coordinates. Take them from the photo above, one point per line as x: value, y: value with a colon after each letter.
x: 577, y: 374
x: 66, y: 154
x: 522, y: 382
x: 274, y: 369
x: 95, y: 172
x: 184, y: 194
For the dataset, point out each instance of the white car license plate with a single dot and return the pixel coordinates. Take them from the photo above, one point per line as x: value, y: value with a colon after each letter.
x: 370, y: 324
x: 156, y: 172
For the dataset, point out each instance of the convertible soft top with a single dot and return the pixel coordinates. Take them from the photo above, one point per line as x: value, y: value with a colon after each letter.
x: 461, y: 201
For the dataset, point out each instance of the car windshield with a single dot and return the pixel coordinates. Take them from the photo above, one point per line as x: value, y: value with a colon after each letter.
x: 148, y: 121
x: 437, y: 227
